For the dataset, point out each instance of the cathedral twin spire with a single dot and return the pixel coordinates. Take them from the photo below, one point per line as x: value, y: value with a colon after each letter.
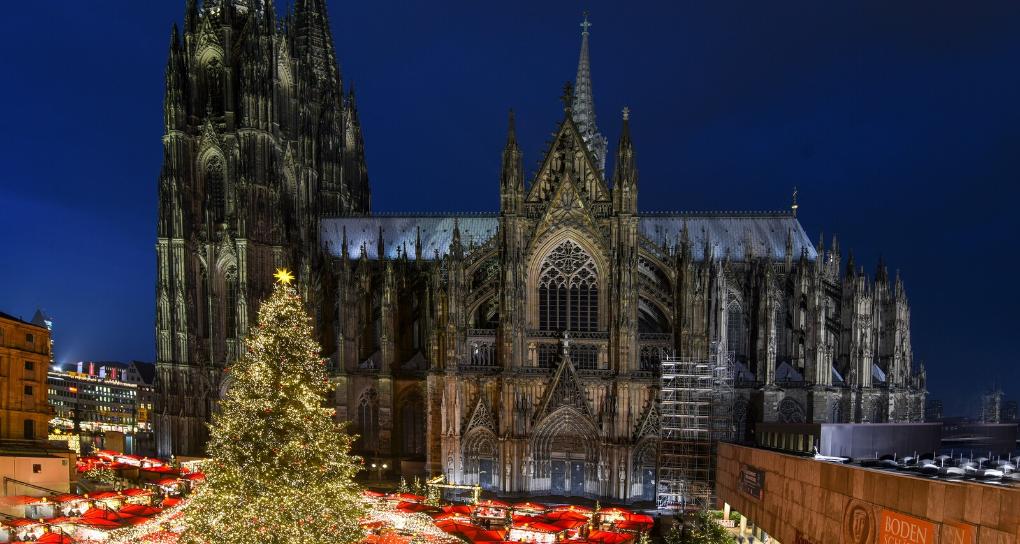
x: 583, y: 106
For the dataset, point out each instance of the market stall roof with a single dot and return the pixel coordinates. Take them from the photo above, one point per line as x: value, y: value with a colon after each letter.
x: 54, y: 538
x: 406, y: 506
x: 610, y: 537
x: 568, y: 515
x: 457, y: 508
x: 136, y: 492
x: 409, y: 497
x: 572, y: 508
x: 538, y: 527
x: 530, y: 507
x: 492, y: 503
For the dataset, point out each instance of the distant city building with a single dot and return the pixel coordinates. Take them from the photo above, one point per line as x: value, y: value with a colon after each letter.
x: 99, y: 402
x: 1009, y: 412
x: 143, y: 375
x: 933, y: 410
x: 991, y: 406
x: 24, y: 358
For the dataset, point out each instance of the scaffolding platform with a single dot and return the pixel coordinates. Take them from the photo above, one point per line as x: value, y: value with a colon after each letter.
x: 696, y: 412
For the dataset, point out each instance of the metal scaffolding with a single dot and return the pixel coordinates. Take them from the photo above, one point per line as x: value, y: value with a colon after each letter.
x: 696, y: 411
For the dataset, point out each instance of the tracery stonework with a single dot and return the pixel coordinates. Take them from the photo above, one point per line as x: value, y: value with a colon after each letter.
x: 527, y: 338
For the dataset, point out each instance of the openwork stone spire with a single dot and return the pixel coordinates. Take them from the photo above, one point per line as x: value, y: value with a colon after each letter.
x: 584, y: 103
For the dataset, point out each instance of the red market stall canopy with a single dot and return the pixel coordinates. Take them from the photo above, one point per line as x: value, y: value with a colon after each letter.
x: 372, y: 494
x: 408, y: 497
x: 572, y: 508
x: 492, y: 503
x: 458, y: 509
x: 54, y: 538
x: 610, y: 537
x: 530, y: 507
x: 405, y: 506
x: 636, y: 522
x: 567, y: 515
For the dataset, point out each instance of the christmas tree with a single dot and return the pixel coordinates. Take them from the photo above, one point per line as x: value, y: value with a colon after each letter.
x: 280, y: 468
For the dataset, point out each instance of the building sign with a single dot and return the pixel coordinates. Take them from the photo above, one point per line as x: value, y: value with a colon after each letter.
x: 751, y: 481
x: 958, y: 533
x: 897, y: 528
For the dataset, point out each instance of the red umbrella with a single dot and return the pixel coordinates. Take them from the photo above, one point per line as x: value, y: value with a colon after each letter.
x: 195, y: 477
x: 171, y: 501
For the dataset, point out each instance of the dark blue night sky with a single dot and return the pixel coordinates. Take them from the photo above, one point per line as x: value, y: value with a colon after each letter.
x: 899, y: 121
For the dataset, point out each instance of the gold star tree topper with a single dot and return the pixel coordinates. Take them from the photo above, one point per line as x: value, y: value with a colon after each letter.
x: 283, y: 276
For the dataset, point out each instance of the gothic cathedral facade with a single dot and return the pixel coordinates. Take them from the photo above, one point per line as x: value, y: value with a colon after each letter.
x: 516, y: 350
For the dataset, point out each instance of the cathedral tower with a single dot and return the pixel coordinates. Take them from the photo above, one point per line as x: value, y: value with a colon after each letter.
x: 260, y: 143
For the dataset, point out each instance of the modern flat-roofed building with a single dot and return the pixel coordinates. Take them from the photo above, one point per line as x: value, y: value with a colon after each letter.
x: 796, y: 499
x: 96, y: 401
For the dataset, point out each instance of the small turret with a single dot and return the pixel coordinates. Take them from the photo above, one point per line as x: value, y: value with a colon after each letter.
x: 456, y: 248
x: 511, y: 186
x: 626, y: 175
x: 173, y: 103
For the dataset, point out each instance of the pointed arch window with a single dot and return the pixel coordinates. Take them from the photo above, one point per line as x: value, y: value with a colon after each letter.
x: 735, y: 331
x: 784, y: 349
x: 368, y: 421
x: 568, y: 290
x: 412, y: 421
x: 215, y: 183
x: 230, y: 302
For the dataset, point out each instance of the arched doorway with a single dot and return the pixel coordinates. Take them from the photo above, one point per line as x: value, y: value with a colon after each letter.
x: 565, y: 449
x: 481, y: 458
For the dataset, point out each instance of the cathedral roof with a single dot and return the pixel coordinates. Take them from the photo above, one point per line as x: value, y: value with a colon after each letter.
x: 726, y: 232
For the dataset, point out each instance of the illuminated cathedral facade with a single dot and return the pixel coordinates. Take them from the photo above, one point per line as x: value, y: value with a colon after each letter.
x: 517, y: 350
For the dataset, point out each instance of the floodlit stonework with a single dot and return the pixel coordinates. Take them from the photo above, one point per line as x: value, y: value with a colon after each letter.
x: 519, y: 349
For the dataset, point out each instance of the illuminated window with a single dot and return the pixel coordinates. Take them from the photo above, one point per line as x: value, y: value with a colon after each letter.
x: 568, y: 290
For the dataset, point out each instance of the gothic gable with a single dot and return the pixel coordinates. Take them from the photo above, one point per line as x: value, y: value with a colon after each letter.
x: 482, y: 417
x: 648, y: 425
x: 568, y: 156
x: 567, y: 209
x: 565, y: 390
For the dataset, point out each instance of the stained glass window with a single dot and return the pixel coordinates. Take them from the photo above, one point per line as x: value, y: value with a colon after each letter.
x: 568, y: 290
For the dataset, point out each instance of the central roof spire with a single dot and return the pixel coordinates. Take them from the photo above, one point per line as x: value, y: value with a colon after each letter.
x: 584, y: 103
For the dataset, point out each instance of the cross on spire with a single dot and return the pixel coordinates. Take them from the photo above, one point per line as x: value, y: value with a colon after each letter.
x: 585, y: 25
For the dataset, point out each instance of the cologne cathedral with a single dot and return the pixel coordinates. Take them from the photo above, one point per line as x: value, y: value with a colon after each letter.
x: 517, y: 350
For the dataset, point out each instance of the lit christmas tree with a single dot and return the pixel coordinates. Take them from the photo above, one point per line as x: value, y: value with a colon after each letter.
x: 280, y: 467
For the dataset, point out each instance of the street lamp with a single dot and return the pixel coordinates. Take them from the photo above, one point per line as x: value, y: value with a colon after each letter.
x: 379, y: 470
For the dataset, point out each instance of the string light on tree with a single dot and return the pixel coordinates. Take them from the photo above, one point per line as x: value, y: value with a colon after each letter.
x: 280, y: 468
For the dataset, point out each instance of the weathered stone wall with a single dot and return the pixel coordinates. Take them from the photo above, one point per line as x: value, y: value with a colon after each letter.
x: 804, y: 501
